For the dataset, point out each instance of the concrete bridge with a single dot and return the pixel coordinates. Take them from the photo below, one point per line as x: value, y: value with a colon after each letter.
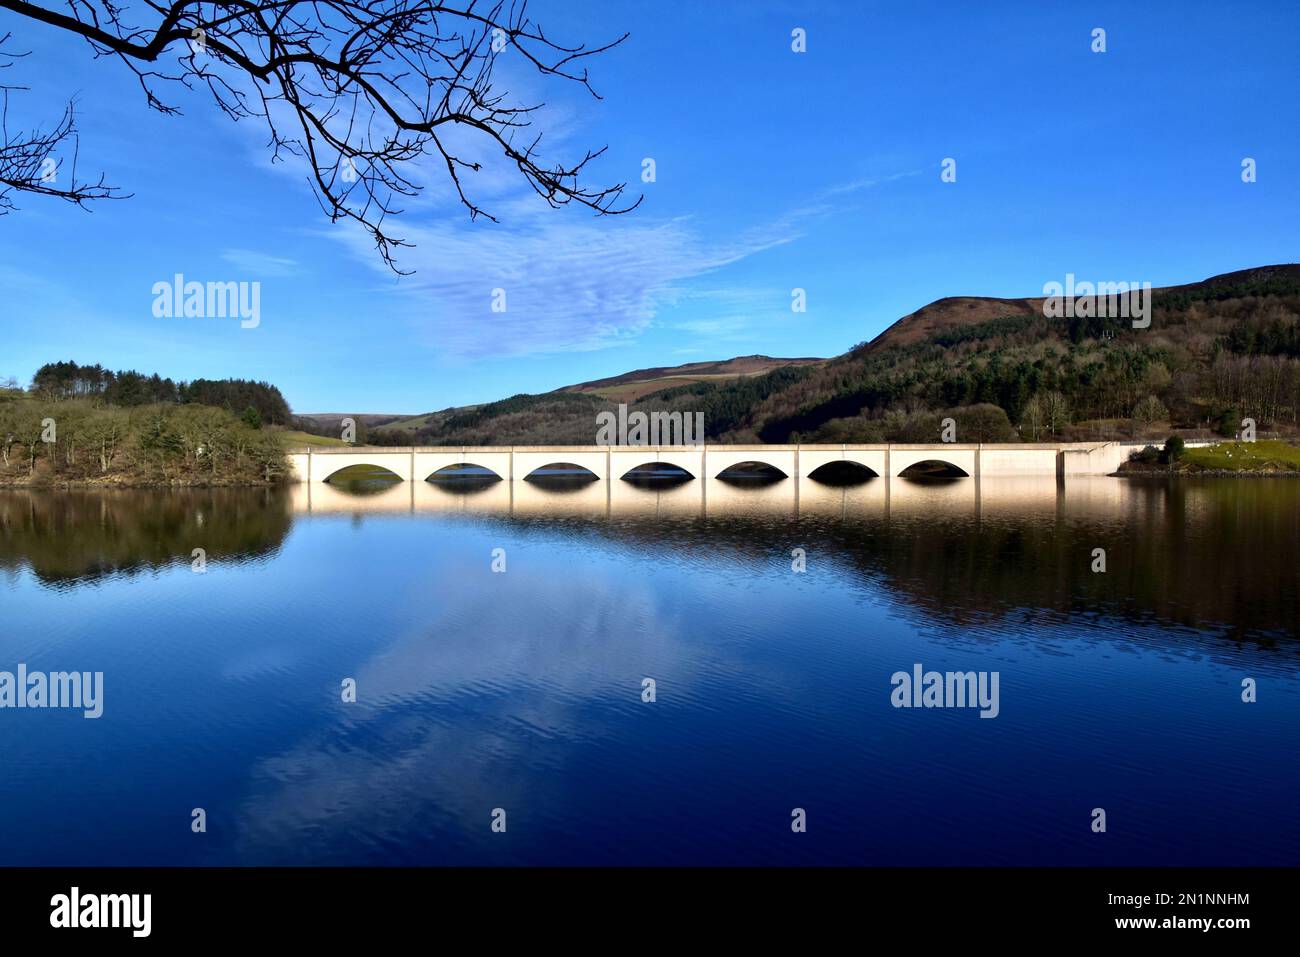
x: 1061, y: 460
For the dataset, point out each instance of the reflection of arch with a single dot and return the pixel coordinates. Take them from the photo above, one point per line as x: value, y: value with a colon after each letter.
x: 932, y: 469
x: 843, y: 472
x: 565, y: 471
x: 465, y: 470
x: 666, y: 470
x: 363, y: 472
x: 752, y: 469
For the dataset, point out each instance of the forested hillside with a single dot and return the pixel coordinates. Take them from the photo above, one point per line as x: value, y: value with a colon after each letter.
x: 88, y: 424
x: 68, y: 380
x: 1216, y: 351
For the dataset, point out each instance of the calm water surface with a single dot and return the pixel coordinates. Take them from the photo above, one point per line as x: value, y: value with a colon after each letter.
x: 481, y: 690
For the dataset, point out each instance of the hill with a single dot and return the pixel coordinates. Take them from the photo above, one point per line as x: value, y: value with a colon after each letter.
x: 631, y: 386
x: 1215, y: 351
x: 516, y: 415
x: 957, y: 311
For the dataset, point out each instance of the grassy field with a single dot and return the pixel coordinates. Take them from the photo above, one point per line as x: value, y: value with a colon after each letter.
x: 632, y: 391
x: 293, y: 438
x: 417, y: 422
x: 1270, y: 455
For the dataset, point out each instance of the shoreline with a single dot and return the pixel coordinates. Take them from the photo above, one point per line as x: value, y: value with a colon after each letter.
x: 1201, y: 473
x: 70, y: 485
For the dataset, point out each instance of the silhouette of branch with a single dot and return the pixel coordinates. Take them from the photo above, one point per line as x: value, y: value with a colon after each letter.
x: 30, y: 160
x: 359, y: 89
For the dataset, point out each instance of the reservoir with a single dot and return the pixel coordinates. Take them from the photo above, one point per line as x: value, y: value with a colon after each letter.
x: 499, y: 636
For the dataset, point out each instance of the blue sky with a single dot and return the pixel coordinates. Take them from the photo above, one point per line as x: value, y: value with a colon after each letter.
x: 775, y: 170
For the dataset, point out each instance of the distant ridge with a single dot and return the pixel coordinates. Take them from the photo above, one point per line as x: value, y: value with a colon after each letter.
x: 664, y: 377
x: 954, y: 311
x: 627, y: 387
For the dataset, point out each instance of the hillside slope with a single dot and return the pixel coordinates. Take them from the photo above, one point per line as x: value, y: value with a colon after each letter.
x: 642, y: 382
x: 516, y: 416
x: 1225, y: 347
x: 955, y: 311
x: 1215, y: 351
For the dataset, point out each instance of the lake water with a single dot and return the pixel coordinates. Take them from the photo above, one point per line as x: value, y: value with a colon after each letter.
x: 522, y: 690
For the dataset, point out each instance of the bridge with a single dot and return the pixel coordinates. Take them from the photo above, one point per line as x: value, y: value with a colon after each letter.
x: 412, y: 464
x: 1085, y: 496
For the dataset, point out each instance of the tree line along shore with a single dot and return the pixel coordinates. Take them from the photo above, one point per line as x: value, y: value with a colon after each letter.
x: 85, y: 425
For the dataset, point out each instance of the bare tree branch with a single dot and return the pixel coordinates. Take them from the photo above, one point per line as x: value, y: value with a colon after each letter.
x: 359, y: 89
x: 30, y: 160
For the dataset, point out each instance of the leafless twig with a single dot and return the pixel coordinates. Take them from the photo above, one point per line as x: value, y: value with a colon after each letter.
x: 360, y: 89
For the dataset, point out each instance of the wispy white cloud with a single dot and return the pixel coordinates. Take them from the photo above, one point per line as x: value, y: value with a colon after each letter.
x: 574, y: 283
x: 864, y: 183
x: 569, y: 283
x: 260, y: 264
x: 726, y: 327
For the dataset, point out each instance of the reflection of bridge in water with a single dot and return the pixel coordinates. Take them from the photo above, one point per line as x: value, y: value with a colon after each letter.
x: 875, y: 499
x: 1059, y: 460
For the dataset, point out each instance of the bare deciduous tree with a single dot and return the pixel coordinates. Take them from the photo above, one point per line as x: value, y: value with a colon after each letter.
x: 359, y: 89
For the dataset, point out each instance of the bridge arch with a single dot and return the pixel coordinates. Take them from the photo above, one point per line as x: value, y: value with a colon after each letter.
x: 753, y: 469
x: 665, y: 468
x: 361, y: 471
x: 723, y: 458
x: 561, y: 470
x: 461, y: 470
x: 933, y: 468
x: 958, y: 460
x: 526, y: 462
x: 843, y: 472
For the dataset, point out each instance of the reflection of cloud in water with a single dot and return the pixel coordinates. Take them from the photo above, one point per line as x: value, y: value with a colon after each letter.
x: 261, y: 662
x: 463, y: 711
x: 483, y: 702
